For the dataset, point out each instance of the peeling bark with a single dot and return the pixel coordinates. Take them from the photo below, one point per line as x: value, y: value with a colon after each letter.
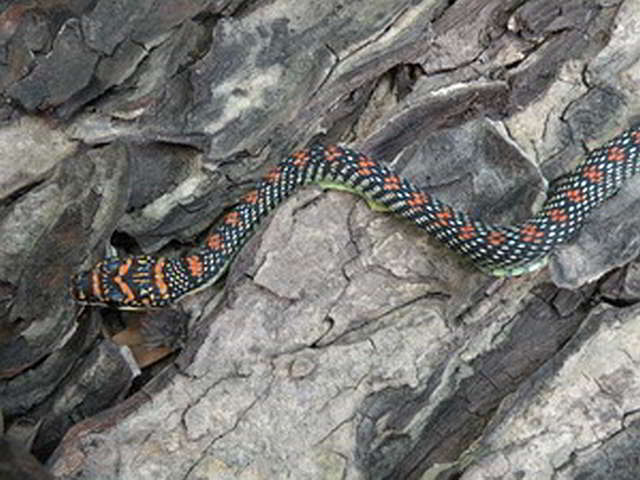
x: 343, y: 343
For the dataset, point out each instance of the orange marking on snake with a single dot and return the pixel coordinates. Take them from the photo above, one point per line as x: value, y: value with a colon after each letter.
x: 531, y: 234
x: 364, y: 164
x: 593, y: 174
x: 96, y: 288
x: 558, y: 215
x: 300, y: 158
x: 158, y: 277
x: 575, y: 195
x: 444, y: 217
x: 333, y: 153
x: 125, y: 289
x: 195, y: 265
x: 417, y: 199
x: 467, y: 232
x: 273, y: 175
x: 616, y: 154
x: 495, y: 238
x: 124, y: 268
x: 392, y: 182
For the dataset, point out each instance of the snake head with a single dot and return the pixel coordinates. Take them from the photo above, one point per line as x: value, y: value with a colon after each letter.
x: 96, y: 286
x: 132, y: 283
x: 80, y: 288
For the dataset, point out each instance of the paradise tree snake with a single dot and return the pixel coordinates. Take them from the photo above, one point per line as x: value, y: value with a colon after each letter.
x: 154, y: 281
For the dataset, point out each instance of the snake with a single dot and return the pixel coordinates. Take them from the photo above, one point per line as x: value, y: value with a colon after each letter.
x: 148, y: 282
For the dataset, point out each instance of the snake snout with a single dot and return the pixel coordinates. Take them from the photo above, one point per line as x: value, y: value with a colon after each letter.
x: 80, y: 287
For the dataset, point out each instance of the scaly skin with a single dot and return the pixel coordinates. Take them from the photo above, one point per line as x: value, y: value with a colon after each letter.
x: 153, y: 282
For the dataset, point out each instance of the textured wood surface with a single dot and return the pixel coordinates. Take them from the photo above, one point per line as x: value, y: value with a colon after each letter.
x: 343, y: 343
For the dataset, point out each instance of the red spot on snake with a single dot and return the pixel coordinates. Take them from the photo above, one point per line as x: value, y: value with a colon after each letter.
x: 575, y: 195
x: 417, y: 199
x: 333, y: 153
x: 196, y: 267
x: 558, y: 215
x: 365, y: 162
x: 301, y: 158
x: 364, y: 166
x: 392, y: 182
x: 444, y: 217
x: 531, y: 234
x: 273, y: 175
x: 593, y: 174
x: 616, y: 154
x: 467, y: 232
x: 496, y: 238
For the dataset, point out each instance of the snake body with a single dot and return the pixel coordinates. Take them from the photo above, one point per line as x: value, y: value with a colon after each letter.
x: 145, y: 281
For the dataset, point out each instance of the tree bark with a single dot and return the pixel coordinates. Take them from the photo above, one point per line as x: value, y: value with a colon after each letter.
x: 343, y: 343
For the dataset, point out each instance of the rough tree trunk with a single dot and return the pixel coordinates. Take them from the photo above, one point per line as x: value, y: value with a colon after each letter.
x: 344, y: 344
